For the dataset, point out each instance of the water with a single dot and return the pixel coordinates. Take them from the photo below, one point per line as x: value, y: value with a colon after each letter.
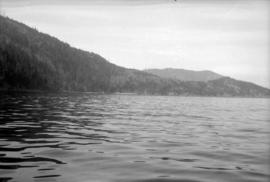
x: 86, y: 137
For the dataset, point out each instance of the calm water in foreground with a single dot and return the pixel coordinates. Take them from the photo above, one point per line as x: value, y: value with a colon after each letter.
x: 84, y: 137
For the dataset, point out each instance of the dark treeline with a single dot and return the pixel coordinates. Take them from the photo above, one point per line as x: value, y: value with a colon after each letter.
x: 30, y: 60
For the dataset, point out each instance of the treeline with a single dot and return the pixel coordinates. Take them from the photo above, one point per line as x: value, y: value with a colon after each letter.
x: 36, y: 61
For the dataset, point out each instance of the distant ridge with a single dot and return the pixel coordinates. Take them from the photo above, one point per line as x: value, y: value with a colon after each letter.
x: 184, y: 75
x: 31, y: 60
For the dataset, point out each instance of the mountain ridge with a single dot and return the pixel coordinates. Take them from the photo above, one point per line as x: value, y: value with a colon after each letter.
x: 31, y: 60
x: 184, y: 74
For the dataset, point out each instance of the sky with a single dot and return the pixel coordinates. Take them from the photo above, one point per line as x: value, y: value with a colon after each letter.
x: 228, y: 37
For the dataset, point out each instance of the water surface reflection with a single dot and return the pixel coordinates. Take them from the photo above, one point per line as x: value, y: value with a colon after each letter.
x: 86, y: 137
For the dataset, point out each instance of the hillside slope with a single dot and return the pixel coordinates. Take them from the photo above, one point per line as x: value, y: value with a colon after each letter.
x: 184, y: 75
x: 33, y: 60
x: 36, y: 61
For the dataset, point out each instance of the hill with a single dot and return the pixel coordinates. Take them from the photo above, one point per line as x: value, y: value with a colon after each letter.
x: 184, y: 75
x: 31, y: 60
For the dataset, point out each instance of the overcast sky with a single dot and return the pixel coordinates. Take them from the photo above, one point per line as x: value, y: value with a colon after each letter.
x: 228, y: 37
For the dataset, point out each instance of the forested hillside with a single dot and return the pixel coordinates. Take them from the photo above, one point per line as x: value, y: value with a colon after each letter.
x: 33, y: 60
x: 30, y: 60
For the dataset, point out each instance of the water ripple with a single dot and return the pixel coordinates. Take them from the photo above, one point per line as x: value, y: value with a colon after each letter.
x: 86, y: 137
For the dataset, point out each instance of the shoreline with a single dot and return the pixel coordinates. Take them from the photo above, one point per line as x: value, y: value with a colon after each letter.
x: 122, y: 93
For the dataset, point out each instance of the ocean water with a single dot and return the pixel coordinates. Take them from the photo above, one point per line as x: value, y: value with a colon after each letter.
x: 104, y: 138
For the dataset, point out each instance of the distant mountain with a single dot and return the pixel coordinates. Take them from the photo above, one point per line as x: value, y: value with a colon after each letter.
x: 230, y: 87
x: 184, y: 75
x: 226, y: 86
x: 30, y: 60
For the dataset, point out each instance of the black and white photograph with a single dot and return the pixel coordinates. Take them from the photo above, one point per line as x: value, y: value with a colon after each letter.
x: 134, y: 91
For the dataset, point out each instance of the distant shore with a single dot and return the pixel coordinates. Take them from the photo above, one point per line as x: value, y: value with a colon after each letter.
x: 117, y: 93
